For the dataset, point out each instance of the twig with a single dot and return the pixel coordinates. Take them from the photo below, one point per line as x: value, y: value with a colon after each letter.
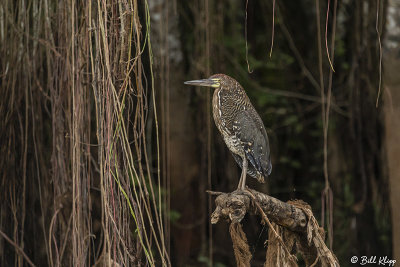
x: 214, y: 193
x: 17, y: 248
x: 315, y: 262
x: 265, y: 217
x: 245, y: 36
x: 273, y: 28
x: 326, y: 36
x: 380, y: 53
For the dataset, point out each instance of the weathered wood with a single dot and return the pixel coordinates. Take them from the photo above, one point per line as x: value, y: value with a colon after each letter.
x: 235, y: 205
x: 298, y: 225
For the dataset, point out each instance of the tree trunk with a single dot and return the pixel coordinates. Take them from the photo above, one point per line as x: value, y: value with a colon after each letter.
x: 391, y: 61
x: 179, y: 149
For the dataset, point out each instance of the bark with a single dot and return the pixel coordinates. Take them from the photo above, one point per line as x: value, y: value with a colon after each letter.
x: 292, y: 227
x: 180, y: 155
x: 235, y: 205
x: 391, y: 61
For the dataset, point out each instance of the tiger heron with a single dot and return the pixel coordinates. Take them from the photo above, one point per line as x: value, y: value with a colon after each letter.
x: 240, y: 126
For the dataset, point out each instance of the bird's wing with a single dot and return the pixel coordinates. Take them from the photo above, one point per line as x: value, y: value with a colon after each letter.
x: 249, y: 129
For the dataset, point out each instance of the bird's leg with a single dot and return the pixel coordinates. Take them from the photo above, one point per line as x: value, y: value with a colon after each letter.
x: 244, y: 171
x: 242, y: 181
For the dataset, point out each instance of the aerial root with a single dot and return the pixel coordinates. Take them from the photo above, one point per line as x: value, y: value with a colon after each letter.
x: 240, y: 245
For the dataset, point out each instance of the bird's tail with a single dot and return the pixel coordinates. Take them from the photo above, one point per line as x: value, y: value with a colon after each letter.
x: 260, y: 178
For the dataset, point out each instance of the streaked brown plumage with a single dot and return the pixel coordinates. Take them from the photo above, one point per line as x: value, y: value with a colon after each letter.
x: 240, y: 126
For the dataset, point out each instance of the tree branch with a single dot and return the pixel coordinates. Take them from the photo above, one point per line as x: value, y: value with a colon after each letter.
x: 295, y: 219
x: 235, y: 205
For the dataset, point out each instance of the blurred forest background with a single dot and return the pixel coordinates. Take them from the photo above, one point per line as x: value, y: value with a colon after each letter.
x: 106, y: 155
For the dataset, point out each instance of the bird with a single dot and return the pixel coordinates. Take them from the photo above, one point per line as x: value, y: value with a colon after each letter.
x: 241, y: 127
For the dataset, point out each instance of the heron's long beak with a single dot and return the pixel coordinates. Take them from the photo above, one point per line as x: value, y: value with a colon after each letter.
x: 205, y: 82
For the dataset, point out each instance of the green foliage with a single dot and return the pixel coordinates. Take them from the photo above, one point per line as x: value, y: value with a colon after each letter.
x: 206, y: 260
x: 173, y: 216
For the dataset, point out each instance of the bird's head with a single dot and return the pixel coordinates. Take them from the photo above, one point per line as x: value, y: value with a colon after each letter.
x: 215, y: 81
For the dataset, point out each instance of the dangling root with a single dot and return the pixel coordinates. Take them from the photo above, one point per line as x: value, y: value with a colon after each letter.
x: 240, y: 245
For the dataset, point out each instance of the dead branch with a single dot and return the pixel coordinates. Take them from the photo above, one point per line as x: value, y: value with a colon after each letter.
x: 293, y: 227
